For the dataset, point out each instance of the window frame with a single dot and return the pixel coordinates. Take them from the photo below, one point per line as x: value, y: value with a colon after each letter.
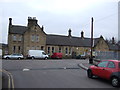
x: 103, y: 62
x: 113, y: 63
x: 60, y: 49
x: 14, y: 38
x: 37, y: 38
x: 48, y: 50
x: 66, y: 51
x: 53, y: 49
x: 32, y: 38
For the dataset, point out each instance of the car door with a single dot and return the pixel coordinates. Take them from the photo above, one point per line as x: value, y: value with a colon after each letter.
x: 12, y: 56
x: 108, y: 70
x: 101, y: 68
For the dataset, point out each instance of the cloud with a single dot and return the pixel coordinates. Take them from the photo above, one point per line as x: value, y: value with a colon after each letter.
x: 59, y: 15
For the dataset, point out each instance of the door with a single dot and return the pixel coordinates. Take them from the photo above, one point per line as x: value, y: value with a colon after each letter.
x: 101, y: 69
x: 109, y: 69
x: 43, y: 55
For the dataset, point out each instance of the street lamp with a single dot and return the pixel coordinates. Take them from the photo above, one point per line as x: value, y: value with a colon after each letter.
x: 91, y: 56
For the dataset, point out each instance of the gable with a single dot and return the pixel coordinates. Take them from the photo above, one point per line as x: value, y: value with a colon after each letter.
x: 101, y: 45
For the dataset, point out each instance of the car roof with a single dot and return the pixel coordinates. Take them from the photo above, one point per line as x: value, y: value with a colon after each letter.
x: 112, y: 60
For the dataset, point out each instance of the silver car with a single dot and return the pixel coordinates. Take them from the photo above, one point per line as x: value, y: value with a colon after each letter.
x: 13, y: 56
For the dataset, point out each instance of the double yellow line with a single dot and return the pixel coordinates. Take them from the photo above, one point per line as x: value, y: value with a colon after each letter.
x: 10, y: 79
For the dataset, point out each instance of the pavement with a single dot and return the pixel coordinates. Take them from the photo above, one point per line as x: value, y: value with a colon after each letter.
x: 85, y: 65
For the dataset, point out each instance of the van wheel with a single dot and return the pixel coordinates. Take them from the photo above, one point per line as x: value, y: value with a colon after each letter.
x: 46, y: 58
x: 32, y: 57
x: 115, y: 82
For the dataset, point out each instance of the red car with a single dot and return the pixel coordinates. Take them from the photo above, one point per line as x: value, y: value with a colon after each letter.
x: 57, y: 55
x: 106, y: 69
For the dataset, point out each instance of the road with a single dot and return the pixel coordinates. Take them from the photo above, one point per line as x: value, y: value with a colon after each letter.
x: 51, y: 74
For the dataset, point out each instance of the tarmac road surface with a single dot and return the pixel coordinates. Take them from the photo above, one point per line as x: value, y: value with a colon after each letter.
x: 51, y: 74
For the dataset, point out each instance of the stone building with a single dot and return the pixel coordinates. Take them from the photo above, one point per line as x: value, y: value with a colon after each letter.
x: 24, y: 38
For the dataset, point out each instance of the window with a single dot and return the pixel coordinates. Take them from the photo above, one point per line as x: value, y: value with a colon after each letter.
x: 103, y: 64
x: 60, y: 50
x: 70, y: 51
x: 66, y: 50
x: 43, y: 53
x: 19, y: 48
x: 14, y: 49
x: 52, y: 49
x: 33, y: 48
x: 14, y: 38
x: 37, y: 47
x: 20, y: 38
x: 37, y: 38
x: 32, y: 38
x: 48, y: 50
x: 42, y: 47
x: 111, y: 65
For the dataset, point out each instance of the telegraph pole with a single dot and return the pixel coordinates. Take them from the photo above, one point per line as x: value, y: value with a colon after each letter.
x: 91, y: 56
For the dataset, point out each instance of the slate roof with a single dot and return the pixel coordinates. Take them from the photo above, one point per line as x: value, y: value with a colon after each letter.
x: 57, y: 39
x: 15, y: 29
x: 68, y: 41
x: 96, y: 40
x: 2, y: 45
x: 113, y: 47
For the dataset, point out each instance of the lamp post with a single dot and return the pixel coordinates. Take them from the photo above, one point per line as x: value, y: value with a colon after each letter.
x: 91, y: 55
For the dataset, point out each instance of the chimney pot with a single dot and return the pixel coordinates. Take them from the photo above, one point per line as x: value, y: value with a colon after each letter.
x: 69, y: 32
x: 10, y: 21
x: 82, y: 34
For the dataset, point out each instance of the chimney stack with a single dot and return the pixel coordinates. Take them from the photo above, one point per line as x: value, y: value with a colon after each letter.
x: 10, y: 21
x: 32, y: 21
x: 82, y: 34
x: 69, y: 32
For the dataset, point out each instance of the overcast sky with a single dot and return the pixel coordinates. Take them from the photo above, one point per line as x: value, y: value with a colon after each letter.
x: 58, y: 16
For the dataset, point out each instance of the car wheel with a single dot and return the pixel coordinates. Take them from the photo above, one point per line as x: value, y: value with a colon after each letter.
x: 7, y: 57
x: 32, y: 57
x: 19, y: 58
x: 89, y: 73
x: 115, y: 82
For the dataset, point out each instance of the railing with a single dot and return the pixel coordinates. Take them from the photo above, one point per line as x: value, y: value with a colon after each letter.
x: 107, y: 55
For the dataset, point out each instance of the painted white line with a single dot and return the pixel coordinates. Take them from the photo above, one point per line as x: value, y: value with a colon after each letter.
x: 26, y: 69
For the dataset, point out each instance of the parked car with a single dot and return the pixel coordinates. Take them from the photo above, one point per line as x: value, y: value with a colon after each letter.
x: 37, y: 54
x: 57, y: 56
x: 106, y: 69
x: 81, y: 57
x: 13, y: 56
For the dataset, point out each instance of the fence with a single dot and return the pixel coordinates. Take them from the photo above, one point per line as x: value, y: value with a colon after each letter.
x: 107, y: 55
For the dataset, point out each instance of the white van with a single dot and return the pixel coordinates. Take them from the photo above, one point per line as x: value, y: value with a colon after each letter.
x: 37, y: 54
